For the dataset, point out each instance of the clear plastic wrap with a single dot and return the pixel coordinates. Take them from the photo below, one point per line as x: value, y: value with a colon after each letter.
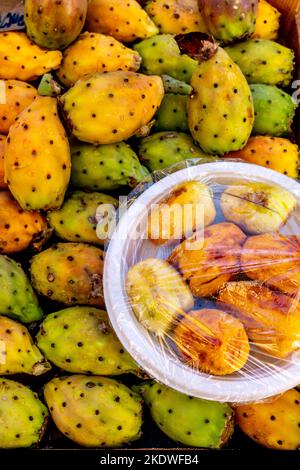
x: 202, y: 279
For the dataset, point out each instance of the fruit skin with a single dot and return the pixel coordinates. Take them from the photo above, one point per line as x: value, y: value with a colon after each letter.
x: 3, y: 184
x: 22, y: 65
x: 161, y: 55
x: 172, y: 114
x: 263, y: 61
x: 76, y: 401
x: 18, y: 95
x: 273, y: 423
x: 267, y: 21
x: 20, y: 229
x: 84, y: 343
x: 23, y: 420
x: 37, y: 157
x: 163, y: 149
x: 257, y: 207
x: 70, y: 273
x: 274, y: 110
x: 220, y: 111
x: 229, y: 21
x: 157, y: 294
x: 76, y: 220
x: 271, y: 319
x: 125, y: 21
x: 18, y: 353
x: 137, y: 96
x: 171, y: 85
x: 275, y: 153
x: 212, y: 341
x: 54, y: 25
x: 105, y: 167
x: 94, y: 52
x: 187, y: 208
x: 208, y: 260
x: 17, y: 299
x: 191, y: 421
x: 177, y: 16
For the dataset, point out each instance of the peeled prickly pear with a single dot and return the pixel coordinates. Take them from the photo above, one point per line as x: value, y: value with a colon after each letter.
x: 23, y: 416
x: 267, y: 21
x: 81, y: 340
x: 18, y: 354
x: 172, y: 114
x: 70, y: 273
x: 94, y: 52
x: 105, y: 167
x: 3, y: 184
x: 94, y: 411
x: 79, y: 217
x: 37, y: 157
x: 126, y: 21
x: 188, y: 420
x: 20, y: 59
x: 111, y: 107
x: 16, y: 97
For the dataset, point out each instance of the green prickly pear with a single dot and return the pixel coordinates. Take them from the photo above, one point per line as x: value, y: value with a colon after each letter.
x: 17, y: 298
x: 161, y: 55
x: 172, y: 114
x: 70, y: 273
x: 110, y: 107
x: 23, y: 416
x: 78, y: 219
x: 264, y: 61
x: 48, y: 86
x: 105, y: 167
x: 274, y: 110
x: 171, y: 85
x: 188, y: 420
x: 37, y: 157
x: 94, y: 411
x: 18, y: 354
x: 54, y: 25
x: 220, y: 111
x: 163, y: 149
x: 81, y: 340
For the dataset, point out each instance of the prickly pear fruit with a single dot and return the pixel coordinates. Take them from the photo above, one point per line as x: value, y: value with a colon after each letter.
x: 271, y: 152
x: 17, y: 299
x: 15, y: 96
x: 161, y: 55
x: 172, y: 114
x: 274, y: 110
x: 163, y: 149
x: 157, y: 294
x: 20, y: 59
x: 3, y: 184
x: 23, y: 416
x: 37, y: 157
x: 188, y: 420
x: 70, y: 273
x: 105, y: 167
x: 137, y: 96
x: 264, y: 61
x: 187, y: 207
x: 81, y: 340
x: 209, y: 260
x: 220, y: 111
x: 273, y: 423
x: 171, y: 85
x: 20, y: 229
x: 125, y: 21
x: 257, y: 207
x: 94, y: 411
x: 49, y: 87
x: 18, y: 354
x: 94, y: 52
x: 78, y: 218
x: 54, y: 25
x: 212, y: 341
x: 267, y: 21
x: 176, y: 16
x: 229, y: 21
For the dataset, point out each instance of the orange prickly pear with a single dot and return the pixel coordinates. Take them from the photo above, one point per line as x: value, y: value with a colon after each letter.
x: 15, y: 96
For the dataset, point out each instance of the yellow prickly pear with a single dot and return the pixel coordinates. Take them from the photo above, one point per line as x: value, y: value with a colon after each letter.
x: 37, y: 157
x: 267, y: 21
x: 14, y: 97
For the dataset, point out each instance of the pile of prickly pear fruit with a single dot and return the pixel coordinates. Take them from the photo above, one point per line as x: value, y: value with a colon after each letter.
x: 95, y: 95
